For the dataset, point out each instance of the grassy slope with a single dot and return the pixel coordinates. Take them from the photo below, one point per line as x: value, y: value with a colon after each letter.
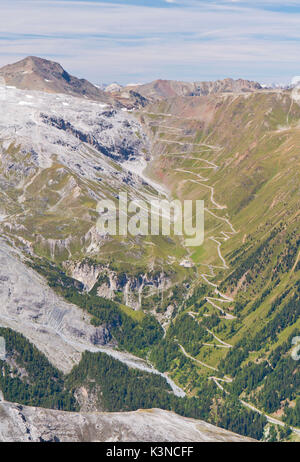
x: 254, y: 142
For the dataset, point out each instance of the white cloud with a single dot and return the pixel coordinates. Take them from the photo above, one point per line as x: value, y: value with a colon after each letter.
x: 108, y: 42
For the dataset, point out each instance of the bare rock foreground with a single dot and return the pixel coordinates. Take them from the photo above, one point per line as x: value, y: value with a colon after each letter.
x: 24, y: 424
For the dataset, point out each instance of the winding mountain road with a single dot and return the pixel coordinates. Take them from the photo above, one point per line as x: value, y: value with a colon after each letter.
x: 201, y: 363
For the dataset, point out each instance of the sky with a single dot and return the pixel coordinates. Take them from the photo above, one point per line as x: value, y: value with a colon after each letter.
x: 137, y: 41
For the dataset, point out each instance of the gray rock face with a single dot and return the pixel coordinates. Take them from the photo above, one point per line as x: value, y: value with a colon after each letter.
x: 49, y: 125
x: 24, y: 424
x: 131, y: 287
x: 60, y: 330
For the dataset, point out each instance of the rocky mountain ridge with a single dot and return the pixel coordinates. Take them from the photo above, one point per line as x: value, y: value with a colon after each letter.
x: 33, y: 73
x: 163, y: 89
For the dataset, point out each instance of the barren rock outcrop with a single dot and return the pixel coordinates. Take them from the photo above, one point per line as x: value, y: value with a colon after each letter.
x: 60, y: 330
x: 22, y: 423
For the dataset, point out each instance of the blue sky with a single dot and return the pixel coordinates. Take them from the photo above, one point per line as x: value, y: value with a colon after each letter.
x: 140, y: 40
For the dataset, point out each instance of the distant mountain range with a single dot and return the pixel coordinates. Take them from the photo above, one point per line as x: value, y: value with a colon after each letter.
x: 33, y: 73
x: 162, y: 89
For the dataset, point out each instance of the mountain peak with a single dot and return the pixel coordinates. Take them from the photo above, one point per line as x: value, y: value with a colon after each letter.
x: 34, y: 73
x: 33, y: 64
x: 39, y: 64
